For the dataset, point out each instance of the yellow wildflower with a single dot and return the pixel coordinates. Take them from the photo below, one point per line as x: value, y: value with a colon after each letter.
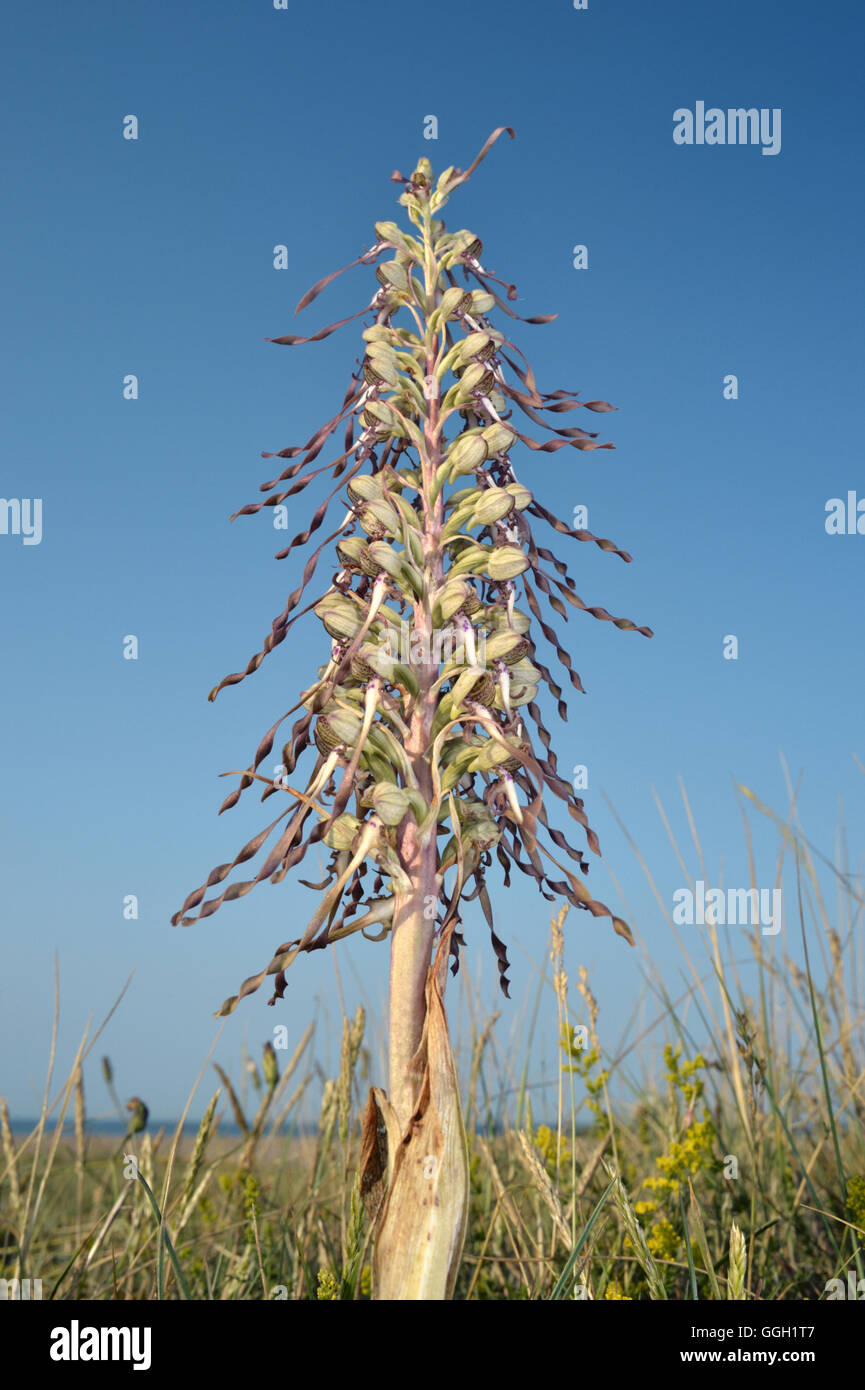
x: 614, y: 1291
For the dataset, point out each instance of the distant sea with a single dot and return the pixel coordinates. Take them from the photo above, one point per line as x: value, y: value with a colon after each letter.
x: 119, y: 1127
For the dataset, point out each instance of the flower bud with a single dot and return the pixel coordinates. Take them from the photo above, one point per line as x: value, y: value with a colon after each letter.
x: 466, y: 454
x: 269, y: 1065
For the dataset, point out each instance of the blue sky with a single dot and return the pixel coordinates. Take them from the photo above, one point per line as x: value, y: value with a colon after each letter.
x: 155, y: 257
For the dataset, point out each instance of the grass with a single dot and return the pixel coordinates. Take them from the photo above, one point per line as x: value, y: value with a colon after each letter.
x: 736, y: 1172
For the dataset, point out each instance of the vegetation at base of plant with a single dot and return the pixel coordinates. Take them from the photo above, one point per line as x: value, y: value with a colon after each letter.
x: 767, y: 1203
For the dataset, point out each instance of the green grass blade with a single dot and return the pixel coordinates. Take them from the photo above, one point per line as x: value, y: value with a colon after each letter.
x: 691, y: 1270
x: 559, y: 1291
x: 164, y: 1237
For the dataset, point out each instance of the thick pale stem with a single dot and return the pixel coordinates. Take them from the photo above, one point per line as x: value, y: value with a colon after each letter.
x: 414, y: 912
x: 411, y: 948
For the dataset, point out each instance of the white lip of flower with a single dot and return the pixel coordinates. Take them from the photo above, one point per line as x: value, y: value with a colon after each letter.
x: 490, y: 409
x: 379, y: 589
x: 325, y: 771
x: 504, y: 681
x: 511, y: 794
x: 469, y: 640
